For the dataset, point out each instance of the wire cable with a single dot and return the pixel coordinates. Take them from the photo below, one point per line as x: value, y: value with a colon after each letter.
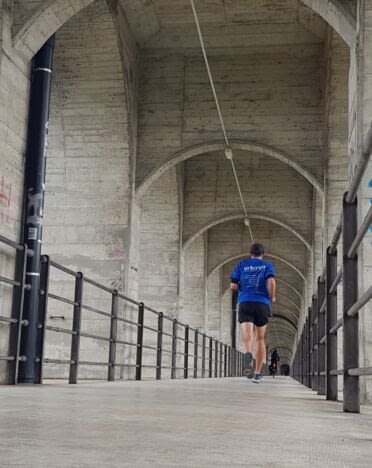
x: 201, y: 40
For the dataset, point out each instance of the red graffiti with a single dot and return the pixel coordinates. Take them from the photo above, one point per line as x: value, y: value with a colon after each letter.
x: 5, y: 199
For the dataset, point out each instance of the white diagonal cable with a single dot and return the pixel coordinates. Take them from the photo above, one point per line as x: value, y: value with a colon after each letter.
x: 219, y: 112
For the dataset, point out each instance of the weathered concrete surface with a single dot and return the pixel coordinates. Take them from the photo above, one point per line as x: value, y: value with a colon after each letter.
x: 204, y: 423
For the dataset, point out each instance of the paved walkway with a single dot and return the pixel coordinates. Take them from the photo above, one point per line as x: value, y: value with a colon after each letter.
x: 202, y: 423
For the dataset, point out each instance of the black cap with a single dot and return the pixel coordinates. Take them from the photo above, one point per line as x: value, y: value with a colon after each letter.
x: 257, y: 250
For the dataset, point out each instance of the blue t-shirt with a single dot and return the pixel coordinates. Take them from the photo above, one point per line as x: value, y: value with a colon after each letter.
x: 252, y: 275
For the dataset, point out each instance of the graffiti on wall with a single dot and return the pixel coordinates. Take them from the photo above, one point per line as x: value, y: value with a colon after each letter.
x: 5, y: 199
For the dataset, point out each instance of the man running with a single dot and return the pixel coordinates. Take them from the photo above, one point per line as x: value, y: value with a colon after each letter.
x: 254, y: 278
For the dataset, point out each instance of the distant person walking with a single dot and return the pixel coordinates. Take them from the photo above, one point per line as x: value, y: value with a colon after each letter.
x: 254, y: 278
x: 275, y: 357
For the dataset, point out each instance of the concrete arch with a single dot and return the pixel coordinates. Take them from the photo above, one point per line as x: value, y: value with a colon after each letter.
x: 337, y: 16
x: 219, y: 145
x: 283, y: 317
x: 286, y: 298
x: 282, y: 331
x: 285, y: 309
x: 252, y: 215
x: 281, y: 327
x: 244, y: 254
x: 49, y: 17
x: 291, y: 287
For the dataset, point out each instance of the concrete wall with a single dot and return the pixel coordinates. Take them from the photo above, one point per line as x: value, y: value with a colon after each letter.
x: 14, y: 90
x: 360, y: 111
x: 160, y: 244
x: 88, y: 187
x: 214, y: 312
x: 194, y: 307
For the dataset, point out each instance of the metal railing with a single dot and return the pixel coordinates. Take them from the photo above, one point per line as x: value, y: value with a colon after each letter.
x: 315, y: 360
x: 13, y: 319
x: 190, y: 353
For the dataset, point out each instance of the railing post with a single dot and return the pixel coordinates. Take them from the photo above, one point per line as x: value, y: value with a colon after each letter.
x: 174, y: 349
x: 216, y: 347
x: 17, y: 312
x: 113, y: 336
x: 221, y: 355
x: 203, y: 354
x: 210, y: 356
x: 306, y: 352
x: 76, y: 326
x: 321, y: 333
x: 351, y: 402
x: 140, y: 323
x: 302, y: 354
x: 331, y: 318
x: 186, y: 353
x: 196, y: 349
x: 42, y: 318
x: 159, y: 346
x: 225, y: 361
x: 309, y: 352
x: 314, y: 308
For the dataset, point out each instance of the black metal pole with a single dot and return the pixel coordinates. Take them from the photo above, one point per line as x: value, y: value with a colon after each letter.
x: 321, y: 334
x: 76, y: 328
x: 174, y: 349
x: 331, y: 318
x: 350, y: 296
x: 113, y: 336
x: 186, y: 354
x: 159, y: 350
x: 196, y: 346
x: 203, y: 354
x: 42, y: 319
x: 233, y: 318
x: 140, y: 323
x: 34, y: 199
x: 210, y: 357
x: 309, y: 353
x: 314, y: 308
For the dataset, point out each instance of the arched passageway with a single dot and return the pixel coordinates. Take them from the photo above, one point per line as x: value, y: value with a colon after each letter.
x: 139, y: 195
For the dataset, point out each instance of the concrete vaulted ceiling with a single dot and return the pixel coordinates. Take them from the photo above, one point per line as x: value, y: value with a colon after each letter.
x: 49, y: 15
x: 268, y: 255
x: 213, y: 146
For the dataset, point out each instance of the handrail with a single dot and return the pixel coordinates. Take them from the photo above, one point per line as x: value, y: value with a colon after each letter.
x: 360, y: 168
x: 361, y: 233
x: 15, y: 320
x: 221, y: 360
x: 317, y: 346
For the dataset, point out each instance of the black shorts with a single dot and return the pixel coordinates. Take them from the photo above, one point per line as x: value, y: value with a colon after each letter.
x: 254, y: 312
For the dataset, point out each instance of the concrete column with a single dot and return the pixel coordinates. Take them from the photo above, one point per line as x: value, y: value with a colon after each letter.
x: 360, y: 118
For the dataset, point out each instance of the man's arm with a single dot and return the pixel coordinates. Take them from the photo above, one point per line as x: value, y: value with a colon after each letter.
x: 234, y: 285
x: 271, y: 285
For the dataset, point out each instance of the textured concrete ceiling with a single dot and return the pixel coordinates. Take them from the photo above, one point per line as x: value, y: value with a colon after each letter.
x: 225, y: 23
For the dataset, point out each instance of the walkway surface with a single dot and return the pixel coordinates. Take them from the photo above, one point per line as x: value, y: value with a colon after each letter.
x: 202, y: 423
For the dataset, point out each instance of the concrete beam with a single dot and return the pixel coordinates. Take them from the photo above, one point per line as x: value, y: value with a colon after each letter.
x: 251, y: 215
x: 219, y: 145
x: 337, y: 16
x: 270, y: 255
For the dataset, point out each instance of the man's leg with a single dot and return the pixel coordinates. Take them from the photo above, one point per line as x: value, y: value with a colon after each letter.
x: 248, y: 336
x: 260, y: 348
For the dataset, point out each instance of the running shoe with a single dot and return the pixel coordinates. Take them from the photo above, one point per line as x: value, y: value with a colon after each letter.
x: 248, y: 371
x: 258, y: 378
